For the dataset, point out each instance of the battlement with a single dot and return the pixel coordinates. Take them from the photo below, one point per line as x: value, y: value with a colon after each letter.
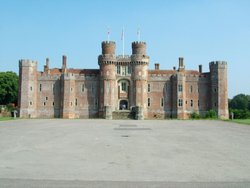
x: 218, y: 63
x: 108, y: 47
x: 27, y: 63
x: 108, y: 42
x: 139, y: 42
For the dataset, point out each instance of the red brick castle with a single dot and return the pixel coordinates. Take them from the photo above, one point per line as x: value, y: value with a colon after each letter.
x: 122, y: 87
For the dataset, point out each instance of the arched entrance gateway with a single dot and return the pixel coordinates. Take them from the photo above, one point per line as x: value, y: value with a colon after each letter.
x: 123, y: 94
x: 123, y: 105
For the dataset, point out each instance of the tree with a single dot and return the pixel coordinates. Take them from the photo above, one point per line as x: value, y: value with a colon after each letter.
x: 8, y: 87
x: 240, y: 102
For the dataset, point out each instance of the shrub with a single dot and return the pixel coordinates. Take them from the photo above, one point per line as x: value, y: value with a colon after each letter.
x: 212, y: 114
x: 194, y: 115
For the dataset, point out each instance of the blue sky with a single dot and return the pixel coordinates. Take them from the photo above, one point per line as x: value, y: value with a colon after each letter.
x: 198, y: 30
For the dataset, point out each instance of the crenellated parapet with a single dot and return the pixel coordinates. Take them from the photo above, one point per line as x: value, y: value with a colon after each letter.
x: 27, y: 63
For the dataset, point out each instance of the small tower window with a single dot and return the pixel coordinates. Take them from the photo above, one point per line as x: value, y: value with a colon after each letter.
x: 180, y: 102
x: 40, y: 87
x: 191, y: 89
x: 149, y: 89
x: 180, y: 88
x: 53, y: 103
x: 191, y: 103
x: 83, y: 87
x: 162, y: 102
x: 46, y: 98
x: 149, y: 102
x: 30, y: 103
x: 44, y: 104
x: 198, y: 102
x: 31, y: 88
x: 76, y: 102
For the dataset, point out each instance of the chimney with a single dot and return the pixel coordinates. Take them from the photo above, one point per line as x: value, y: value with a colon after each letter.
x: 46, y: 66
x: 64, y: 60
x: 157, y: 66
x: 181, y: 64
x: 47, y: 62
x: 200, y: 68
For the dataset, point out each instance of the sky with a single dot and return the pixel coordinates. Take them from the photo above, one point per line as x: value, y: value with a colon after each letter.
x: 201, y: 31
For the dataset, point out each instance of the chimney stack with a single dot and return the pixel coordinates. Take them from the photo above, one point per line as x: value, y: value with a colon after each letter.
x: 200, y: 68
x: 181, y: 64
x: 157, y: 66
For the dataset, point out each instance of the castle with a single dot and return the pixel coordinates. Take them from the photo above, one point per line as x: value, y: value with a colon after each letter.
x: 122, y: 85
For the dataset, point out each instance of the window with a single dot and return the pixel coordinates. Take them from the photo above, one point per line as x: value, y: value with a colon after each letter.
x: 118, y: 69
x: 40, y: 87
x: 198, y: 102
x: 31, y: 88
x: 53, y: 88
x: 76, y: 102
x: 129, y: 69
x: 92, y: 88
x: 180, y: 88
x: 149, y: 88
x: 30, y: 103
x: 191, y: 103
x: 83, y: 87
x: 180, y: 101
x: 124, y: 70
x: 215, y: 90
x: 124, y: 86
x: 44, y: 103
x: 215, y: 104
x: 53, y: 103
x: 96, y: 102
x: 162, y: 102
x: 148, y: 101
x: 191, y: 89
x: 46, y: 98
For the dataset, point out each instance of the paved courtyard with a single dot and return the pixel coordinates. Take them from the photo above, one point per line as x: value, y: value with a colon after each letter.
x: 119, y: 153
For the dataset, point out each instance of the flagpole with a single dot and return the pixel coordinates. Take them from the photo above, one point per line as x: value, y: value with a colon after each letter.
x: 123, y: 42
x: 108, y: 34
x: 138, y: 34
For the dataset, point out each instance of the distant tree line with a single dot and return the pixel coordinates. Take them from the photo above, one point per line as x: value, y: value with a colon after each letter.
x: 239, y: 105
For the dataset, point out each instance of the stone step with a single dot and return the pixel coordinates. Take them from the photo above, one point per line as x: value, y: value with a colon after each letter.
x: 123, y: 114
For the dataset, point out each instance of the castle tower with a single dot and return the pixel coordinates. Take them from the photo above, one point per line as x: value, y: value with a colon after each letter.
x: 27, y: 102
x: 219, y: 91
x: 140, y: 63
x: 68, y: 92
x: 179, y: 92
x: 107, y: 61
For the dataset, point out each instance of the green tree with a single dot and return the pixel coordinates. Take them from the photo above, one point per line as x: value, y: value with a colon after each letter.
x: 8, y: 87
x: 240, y: 102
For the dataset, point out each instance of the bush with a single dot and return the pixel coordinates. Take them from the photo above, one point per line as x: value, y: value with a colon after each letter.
x: 211, y: 114
x: 194, y: 115
x: 240, y: 114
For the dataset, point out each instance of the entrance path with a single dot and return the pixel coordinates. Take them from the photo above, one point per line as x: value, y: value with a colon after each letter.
x: 118, y: 153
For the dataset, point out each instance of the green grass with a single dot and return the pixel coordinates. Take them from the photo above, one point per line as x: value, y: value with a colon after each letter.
x: 242, y: 121
x: 6, y: 118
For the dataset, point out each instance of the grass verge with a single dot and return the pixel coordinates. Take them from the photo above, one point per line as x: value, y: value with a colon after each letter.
x: 242, y: 121
x: 6, y: 118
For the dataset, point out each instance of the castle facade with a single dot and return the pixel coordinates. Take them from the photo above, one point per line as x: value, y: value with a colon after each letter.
x: 122, y: 84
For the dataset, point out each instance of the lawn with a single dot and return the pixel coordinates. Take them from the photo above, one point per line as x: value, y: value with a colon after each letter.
x: 242, y: 121
x: 6, y: 118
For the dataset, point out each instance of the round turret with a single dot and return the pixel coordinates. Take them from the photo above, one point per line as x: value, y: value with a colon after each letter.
x: 139, y: 48
x: 108, y: 47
